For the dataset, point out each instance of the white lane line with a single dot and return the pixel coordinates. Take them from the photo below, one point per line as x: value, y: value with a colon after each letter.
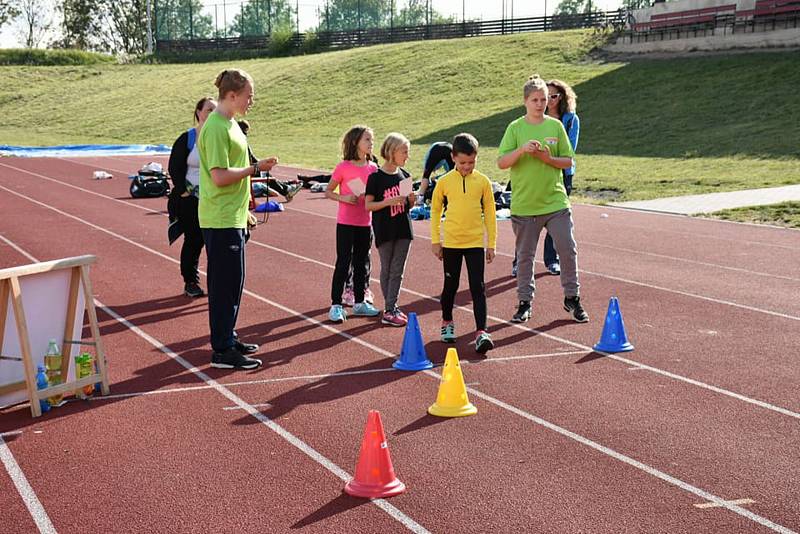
x: 518, y: 326
x: 620, y: 279
x: 706, y: 505
x: 391, y: 510
x: 528, y: 356
x: 25, y: 490
x: 600, y: 275
x: 303, y: 378
x: 304, y: 447
x: 263, y: 405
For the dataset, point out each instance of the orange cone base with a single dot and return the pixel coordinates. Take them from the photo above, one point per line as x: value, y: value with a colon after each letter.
x: 453, y: 411
x: 370, y: 491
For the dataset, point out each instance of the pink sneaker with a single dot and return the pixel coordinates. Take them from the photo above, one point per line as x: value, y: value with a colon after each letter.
x: 399, y: 312
x: 348, y: 298
x: 393, y: 318
x: 369, y: 297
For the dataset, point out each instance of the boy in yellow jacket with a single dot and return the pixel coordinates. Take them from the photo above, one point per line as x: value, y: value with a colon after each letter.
x: 470, y: 210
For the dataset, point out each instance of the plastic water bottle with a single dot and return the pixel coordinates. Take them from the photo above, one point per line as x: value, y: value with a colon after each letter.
x: 52, y: 363
x: 41, y: 383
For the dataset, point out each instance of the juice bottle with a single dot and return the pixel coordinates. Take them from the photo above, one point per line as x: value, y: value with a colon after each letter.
x: 83, y: 368
x: 52, y: 363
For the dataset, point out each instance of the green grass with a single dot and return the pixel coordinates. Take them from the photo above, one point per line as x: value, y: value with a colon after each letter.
x: 650, y: 128
x: 28, y: 56
x: 785, y: 214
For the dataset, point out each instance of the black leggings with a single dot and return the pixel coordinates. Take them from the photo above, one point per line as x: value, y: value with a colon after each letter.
x: 192, y: 239
x: 451, y: 260
x: 352, y: 246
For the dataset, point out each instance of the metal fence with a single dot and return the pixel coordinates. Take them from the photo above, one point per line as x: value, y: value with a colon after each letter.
x: 330, y: 40
x: 721, y: 26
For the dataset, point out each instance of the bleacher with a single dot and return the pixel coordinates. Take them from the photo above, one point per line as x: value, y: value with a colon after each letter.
x: 709, y: 16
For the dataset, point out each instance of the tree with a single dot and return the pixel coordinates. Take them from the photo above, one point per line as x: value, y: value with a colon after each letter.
x: 353, y: 14
x: 35, y: 20
x: 635, y: 4
x: 81, y: 27
x: 8, y: 11
x: 575, y: 7
x: 263, y: 17
x: 182, y: 19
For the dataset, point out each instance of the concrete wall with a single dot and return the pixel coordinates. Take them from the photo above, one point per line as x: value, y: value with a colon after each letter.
x: 788, y: 38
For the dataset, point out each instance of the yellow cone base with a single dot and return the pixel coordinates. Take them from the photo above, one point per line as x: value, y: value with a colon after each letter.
x: 452, y: 411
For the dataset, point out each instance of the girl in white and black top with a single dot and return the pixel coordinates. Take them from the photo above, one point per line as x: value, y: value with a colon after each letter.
x: 391, y: 222
x: 184, y: 169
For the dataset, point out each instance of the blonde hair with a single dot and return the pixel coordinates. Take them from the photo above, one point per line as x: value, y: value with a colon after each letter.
x: 534, y: 83
x: 232, y: 80
x: 568, y: 101
x: 351, y: 140
x: 391, y: 144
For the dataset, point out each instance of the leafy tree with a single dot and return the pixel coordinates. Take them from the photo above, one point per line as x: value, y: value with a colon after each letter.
x: 8, y: 11
x: 575, y: 7
x: 354, y: 14
x: 80, y: 25
x: 181, y: 19
x: 263, y: 17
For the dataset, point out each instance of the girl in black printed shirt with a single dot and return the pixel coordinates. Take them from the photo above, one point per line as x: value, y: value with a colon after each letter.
x: 391, y: 222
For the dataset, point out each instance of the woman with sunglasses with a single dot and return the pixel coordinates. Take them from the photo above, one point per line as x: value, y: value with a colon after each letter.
x: 561, y: 104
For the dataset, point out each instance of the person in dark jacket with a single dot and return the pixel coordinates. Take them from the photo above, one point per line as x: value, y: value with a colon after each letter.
x: 184, y: 169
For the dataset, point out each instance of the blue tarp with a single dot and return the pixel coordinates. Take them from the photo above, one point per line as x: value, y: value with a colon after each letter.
x: 82, y: 150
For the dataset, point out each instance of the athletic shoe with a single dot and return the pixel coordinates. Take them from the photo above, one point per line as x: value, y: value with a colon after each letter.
x: 233, y: 359
x: 348, y: 298
x: 448, y: 332
x: 554, y: 268
x: 337, y: 314
x: 400, y: 312
x: 513, y: 270
x: 245, y: 348
x: 393, y: 318
x: 523, y: 312
x: 573, y: 306
x: 292, y: 190
x: 365, y: 309
x: 193, y: 290
x: 369, y: 297
x: 483, y: 342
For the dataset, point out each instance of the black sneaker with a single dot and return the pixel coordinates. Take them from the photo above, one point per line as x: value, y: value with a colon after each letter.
x: 233, y: 359
x: 523, y: 312
x: 245, y: 348
x: 193, y: 290
x: 573, y: 306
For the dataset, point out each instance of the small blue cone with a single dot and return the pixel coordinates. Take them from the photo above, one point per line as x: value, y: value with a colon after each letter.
x: 613, y: 338
x: 413, y: 356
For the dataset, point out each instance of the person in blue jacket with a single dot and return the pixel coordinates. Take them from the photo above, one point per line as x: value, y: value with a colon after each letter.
x: 561, y: 104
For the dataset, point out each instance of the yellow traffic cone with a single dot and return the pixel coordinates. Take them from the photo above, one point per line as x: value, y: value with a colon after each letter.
x: 452, y: 400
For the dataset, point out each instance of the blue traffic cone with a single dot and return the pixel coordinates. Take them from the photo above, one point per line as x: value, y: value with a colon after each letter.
x: 613, y: 338
x: 413, y: 356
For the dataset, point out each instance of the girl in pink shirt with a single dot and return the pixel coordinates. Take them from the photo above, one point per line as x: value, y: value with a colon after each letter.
x: 353, y: 221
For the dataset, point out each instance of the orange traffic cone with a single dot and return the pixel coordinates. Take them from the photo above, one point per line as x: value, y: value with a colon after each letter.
x: 375, y: 476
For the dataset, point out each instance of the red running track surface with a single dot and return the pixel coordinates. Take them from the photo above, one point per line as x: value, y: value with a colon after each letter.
x: 565, y: 440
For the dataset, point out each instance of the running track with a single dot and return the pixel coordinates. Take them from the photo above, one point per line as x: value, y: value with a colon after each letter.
x: 697, y: 430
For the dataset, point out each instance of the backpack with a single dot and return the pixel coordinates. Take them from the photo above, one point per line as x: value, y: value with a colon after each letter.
x: 149, y: 182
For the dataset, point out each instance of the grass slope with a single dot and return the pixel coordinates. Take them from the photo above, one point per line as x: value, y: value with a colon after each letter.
x: 650, y: 128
